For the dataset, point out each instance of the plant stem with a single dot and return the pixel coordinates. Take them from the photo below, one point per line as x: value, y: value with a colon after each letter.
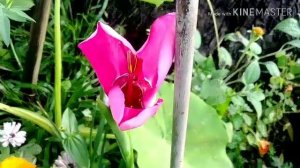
x: 186, y: 20
x: 244, y: 53
x: 123, y: 138
x: 15, y: 55
x: 215, y: 23
x: 236, y: 72
x: 274, y: 53
x: 58, y: 64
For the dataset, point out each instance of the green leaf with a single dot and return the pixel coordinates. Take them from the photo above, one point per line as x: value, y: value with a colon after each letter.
x: 272, y: 68
x: 289, y: 26
x: 257, y: 106
x: 197, y: 40
x: 295, y: 43
x: 17, y: 15
x: 251, y: 139
x: 252, y: 73
x: 29, y: 151
x: 247, y: 119
x: 31, y: 116
x: 238, y: 37
x: 229, y: 130
x: 31, y: 148
x: 69, y: 122
x: 224, y: 57
x: 262, y: 128
x: 208, y: 66
x: 256, y: 95
x: 22, y: 4
x: 76, y: 147
x: 3, y: 2
x: 206, y: 136
x: 255, y: 48
x: 157, y: 2
x: 213, y: 91
x: 4, y: 27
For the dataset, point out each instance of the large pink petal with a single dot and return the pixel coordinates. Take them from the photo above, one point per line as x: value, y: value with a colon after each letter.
x: 106, y: 51
x: 116, y: 101
x: 129, y: 118
x: 158, y: 51
x: 140, y: 118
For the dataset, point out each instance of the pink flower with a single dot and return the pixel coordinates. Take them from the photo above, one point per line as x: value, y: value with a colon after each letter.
x: 132, y: 78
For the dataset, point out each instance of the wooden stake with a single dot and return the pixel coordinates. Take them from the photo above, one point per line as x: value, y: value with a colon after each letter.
x: 186, y: 19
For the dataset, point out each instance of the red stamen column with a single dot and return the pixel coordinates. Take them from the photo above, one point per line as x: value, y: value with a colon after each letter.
x: 186, y: 20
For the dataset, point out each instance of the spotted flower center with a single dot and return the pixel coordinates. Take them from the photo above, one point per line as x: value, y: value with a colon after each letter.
x: 133, y: 83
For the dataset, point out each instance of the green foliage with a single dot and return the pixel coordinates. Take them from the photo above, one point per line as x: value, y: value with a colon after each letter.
x: 206, y: 136
x: 14, y: 10
x: 252, y: 73
x: 250, y: 94
x: 289, y: 26
x: 157, y: 2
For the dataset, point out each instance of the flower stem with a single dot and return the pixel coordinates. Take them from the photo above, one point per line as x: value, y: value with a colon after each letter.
x: 58, y: 64
x: 244, y: 53
x: 123, y: 138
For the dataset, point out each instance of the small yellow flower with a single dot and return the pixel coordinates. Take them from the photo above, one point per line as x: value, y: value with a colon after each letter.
x: 16, y: 162
x: 258, y: 31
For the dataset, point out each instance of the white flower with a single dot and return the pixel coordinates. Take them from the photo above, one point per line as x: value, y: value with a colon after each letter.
x: 11, y: 134
x: 64, y: 161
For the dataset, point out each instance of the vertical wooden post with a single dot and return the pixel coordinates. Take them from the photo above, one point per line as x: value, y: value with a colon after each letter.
x: 186, y: 19
x: 37, y: 39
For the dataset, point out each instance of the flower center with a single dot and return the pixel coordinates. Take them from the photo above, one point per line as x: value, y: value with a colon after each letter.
x: 12, y: 135
x: 133, y: 83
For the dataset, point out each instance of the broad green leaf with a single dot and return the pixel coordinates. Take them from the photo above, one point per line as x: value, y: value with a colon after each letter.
x: 76, y: 147
x: 219, y: 74
x: 295, y: 69
x: 17, y: 15
x: 198, y: 57
x: 229, y: 130
x: 232, y: 37
x: 4, y: 27
x: 197, y: 40
x: 289, y: 26
x: 252, y: 73
x: 29, y: 151
x: 247, y: 119
x: 255, y: 48
x: 272, y: 68
x: 262, y: 128
x: 208, y: 65
x: 238, y: 37
x: 3, y: 2
x: 213, y: 91
x: 22, y: 4
x: 257, y: 106
x: 157, y: 2
x: 31, y: 148
x: 251, y: 139
x: 69, y: 122
x: 5, y: 152
x: 257, y: 95
x: 206, y: 136
x: 33, y: 117
x: 282, y: 61
x: 295, y: 43
x: 224, y: 57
